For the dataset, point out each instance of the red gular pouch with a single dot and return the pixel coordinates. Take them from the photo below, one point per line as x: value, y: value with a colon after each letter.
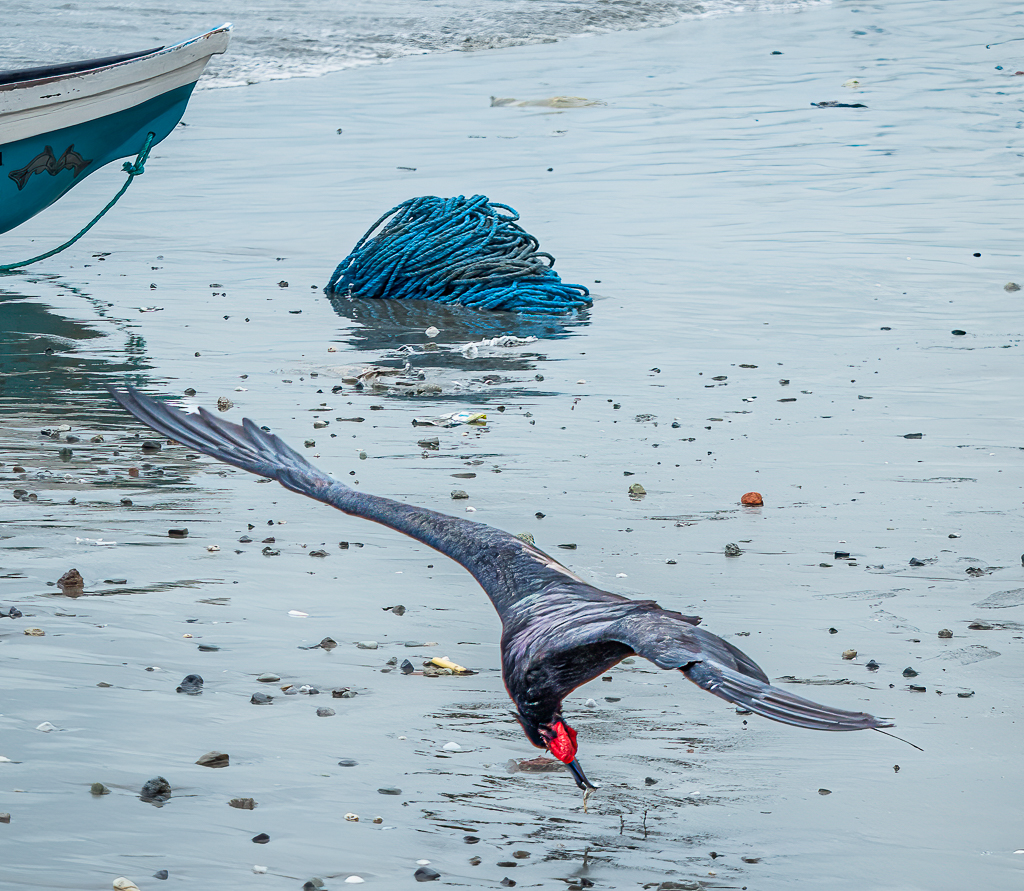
x: 563, y: 746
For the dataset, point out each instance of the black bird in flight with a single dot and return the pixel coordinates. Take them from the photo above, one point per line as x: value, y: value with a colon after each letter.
x: 558, y: 632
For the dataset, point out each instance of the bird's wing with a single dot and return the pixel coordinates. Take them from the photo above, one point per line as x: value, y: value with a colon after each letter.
x: 720, y: 668
x: 508, y: 568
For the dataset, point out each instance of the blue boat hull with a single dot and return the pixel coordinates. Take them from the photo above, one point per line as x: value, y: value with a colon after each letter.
x: 35, y: 172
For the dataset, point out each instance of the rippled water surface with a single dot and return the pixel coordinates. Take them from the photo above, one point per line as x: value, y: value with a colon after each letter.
x: 781, y: 281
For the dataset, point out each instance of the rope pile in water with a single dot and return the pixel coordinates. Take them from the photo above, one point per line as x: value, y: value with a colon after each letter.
x: 456, y: 250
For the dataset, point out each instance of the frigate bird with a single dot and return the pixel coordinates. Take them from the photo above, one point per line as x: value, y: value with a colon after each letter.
x: 558, y: 632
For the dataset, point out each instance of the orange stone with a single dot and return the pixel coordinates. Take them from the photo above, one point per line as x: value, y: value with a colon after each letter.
x: 752, y: 498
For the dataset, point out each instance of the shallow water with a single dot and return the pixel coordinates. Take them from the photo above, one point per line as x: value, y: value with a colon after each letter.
x: 736, y: 231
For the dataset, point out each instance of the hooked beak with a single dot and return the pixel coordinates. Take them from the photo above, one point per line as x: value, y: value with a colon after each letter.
x: 579, y: 776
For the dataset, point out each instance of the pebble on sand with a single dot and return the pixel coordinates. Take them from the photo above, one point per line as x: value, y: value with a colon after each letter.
x: 191, y: 684
x: 214, y: 759
x: 71, y: 582
x: 156, y: 789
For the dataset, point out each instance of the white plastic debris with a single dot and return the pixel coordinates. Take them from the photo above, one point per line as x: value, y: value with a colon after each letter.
x: 213, y: 548
x: 423, y: 863
x: 259, y: 870
x: 432, y: 331
x: 591, y: 703
x: 451, y: 747
x: 476, y: 418
x: 46, y: 727
x: 621, y: 575
x: 94, y: 541
x: 298, y: 614
x: 354, y: 880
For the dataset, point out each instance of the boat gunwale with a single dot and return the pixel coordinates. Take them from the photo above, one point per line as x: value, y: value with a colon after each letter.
x: 110, y: 63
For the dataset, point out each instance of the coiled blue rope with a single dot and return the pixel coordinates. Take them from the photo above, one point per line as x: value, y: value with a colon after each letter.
x: 456, y: 250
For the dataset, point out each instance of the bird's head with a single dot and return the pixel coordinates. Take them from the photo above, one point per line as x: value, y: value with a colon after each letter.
x: 560, y: 740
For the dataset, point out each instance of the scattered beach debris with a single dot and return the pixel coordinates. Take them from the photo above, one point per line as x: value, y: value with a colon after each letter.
x: 553, y: 102
x: 454, y: 419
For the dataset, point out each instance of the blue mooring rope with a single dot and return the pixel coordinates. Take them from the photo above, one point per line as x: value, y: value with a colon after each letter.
x: 133, y: 169
x: 456, y: 250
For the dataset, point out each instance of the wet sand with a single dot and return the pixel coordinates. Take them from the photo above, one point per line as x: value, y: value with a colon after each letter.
x: 728, y: 229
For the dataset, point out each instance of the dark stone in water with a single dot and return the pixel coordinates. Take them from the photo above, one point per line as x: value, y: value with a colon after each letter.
x: 508, y: 883
x: 208, y: 648
x: 407, y: 667
x: 5, y: 818
x: 99, y: 789
x: 348, y: 762
x: 177, y: 533
x: 245, y: 539
x: 426, y: 874
x: 916, y: 689
x: 261, y: 698
x: 328, y: 643
x: 11, y: 612
x: 245, y: 804
x: 471, y: 839
x: 191, y: 684
x: 156, y: 789
x: 389, y: 790
x: 161, y: 874
x: 909, y: 673
x: 872, y: 666
x: 151, y: 445
x: 842, y: 555
x: 325, y: 712
x: 261, y: 839
x: 650, y: 781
